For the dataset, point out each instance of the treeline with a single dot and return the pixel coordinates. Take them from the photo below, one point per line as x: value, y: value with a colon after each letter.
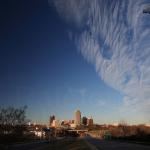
x: 12, y: 116
x: 122, y: 132
x: 139, y: 133
x: 12, y: 124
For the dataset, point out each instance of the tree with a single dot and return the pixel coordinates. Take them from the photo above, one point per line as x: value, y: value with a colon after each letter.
x: 12, y: 124
x: 124, y: 127
x: 12, y: 116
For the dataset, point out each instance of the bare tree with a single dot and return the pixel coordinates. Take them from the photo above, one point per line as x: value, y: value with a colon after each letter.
x: 124, y: 127
x: 12, y: 116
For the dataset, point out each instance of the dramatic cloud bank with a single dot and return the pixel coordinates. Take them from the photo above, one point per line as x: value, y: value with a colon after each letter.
x: 114, y: 35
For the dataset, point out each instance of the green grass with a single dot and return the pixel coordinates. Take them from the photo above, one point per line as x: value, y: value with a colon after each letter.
x: 75, y: 144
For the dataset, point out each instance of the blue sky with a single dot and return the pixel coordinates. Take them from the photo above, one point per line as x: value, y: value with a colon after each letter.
x: 59, y: 56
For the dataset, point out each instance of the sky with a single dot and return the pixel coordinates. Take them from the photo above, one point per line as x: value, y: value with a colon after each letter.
x: 57, y: 56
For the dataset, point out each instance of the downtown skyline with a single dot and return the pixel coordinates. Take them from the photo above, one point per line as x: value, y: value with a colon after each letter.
x: 57, y: 56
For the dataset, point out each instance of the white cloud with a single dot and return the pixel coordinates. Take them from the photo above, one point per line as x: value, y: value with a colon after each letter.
x: 73, y: 11
x: 116, y: 40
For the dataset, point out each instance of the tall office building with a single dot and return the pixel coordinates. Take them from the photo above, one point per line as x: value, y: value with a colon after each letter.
x: 90, y: 121
x: 55, y: 123
x: 84, y: 120
x: 51, y: 118
x: 77, y: 117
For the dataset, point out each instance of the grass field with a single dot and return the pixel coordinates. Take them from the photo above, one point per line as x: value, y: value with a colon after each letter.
x: 75, y: 144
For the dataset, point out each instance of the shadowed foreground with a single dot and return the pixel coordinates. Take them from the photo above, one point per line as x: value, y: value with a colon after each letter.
x: 112, y: 145
x: 65, y: 144
x: 28, y: 146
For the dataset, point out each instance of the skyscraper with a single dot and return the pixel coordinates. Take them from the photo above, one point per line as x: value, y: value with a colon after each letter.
x: 77, y: 117
x: 90, y: 121
x: 84, y: 120
x: 51, y: 120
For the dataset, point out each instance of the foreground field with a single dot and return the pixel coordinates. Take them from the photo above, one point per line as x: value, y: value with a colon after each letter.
x: 116, y: 145
x: 73, y: 144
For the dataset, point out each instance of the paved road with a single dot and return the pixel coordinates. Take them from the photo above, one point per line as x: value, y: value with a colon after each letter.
x: 28, y: 146
x: 111, y: 145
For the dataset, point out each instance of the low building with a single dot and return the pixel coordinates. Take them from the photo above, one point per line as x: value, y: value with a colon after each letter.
x: 72, y: 125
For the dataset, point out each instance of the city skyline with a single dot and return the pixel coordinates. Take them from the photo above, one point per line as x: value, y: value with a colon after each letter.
x: 77, y: 121
x: 59, y: 56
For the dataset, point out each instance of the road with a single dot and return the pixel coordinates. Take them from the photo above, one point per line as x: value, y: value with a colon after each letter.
x: 111, y: 145
x: 28, y: 146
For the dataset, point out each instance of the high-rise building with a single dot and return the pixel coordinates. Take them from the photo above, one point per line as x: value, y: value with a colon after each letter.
x: 90, y: 121
x: 84, y: 120
x: 77, y: 118
x: 55, y: 123
x: 51, y: 118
